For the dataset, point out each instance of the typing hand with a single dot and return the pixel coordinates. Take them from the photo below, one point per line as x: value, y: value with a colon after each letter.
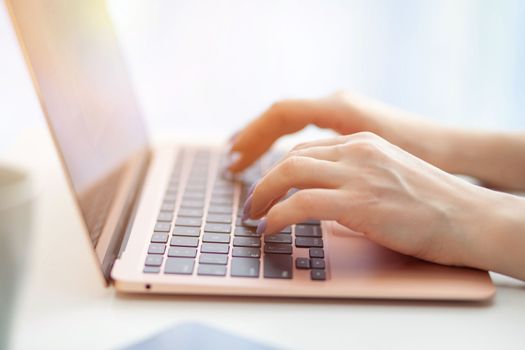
x: 335, y: 112
x: 376, y: 188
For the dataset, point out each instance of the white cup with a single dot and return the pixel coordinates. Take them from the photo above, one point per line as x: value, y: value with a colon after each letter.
x: 15, y: 227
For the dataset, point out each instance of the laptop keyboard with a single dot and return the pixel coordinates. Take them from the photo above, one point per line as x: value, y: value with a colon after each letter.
x: 199, y: 228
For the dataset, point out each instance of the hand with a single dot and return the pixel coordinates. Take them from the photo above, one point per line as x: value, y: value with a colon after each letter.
x: 337, y: 112
x: 460, y: 151
x: 371, y: 186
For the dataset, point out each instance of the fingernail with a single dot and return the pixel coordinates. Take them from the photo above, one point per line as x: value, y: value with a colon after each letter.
x: 233, y: 157
x: 261, y: 227
x: 247, y: 208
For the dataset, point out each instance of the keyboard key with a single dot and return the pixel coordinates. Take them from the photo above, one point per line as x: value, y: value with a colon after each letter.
x: 184, y: 241
x: 190, y: 212
x: 193, y: 196
x: 159, y: 237
x: 302, y: 263
x: 162, y: 227
x: 318, y: 275
x: 287, y: 230
x: 193, y: 222
x: 168, y: 206
x: 222, y: 191
x: 156, y: 248
x: 311, y: 222
x: 196, y: 187
x: 180, y: 266
x: 318, y: 263
x: 212, y: 237
x: 165, y: 216
x: 211, y: 270
x: 192, y: 204
x: 170, y: 197
x: 218, y: 209
x: 218, y: 259
x: 308, y: 231
x: 245, y: 267
x: 247, y: 223
x: 153, y: 260
x: 276, y: 248
x: 316, y: 253
x: 278, y: 266
x: 246, y: 232
x: 253, y: 242
x: 221, y: 201
x: 151, y: 269
x: 187, y: 231
x: 221, y: 228
x: 307, y: 242
x: 182, y: 252
x: 220, y: 219
x: 278, y: 238
x: 173, y: 189
x: 217, y: 248
x: 244, y: 252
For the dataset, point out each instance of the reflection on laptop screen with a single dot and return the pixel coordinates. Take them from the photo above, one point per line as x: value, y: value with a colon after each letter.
x: 86, y: 94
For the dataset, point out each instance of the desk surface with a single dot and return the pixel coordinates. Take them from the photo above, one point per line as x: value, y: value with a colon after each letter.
x: 63, y: 304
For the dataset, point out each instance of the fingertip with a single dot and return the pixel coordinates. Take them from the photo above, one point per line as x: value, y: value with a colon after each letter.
x: 233, y: 158
x: 238, y: 164
x: 262, y: 226
x: 273, y: 222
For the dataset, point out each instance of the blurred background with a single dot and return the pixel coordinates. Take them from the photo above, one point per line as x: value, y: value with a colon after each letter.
x: 209, y: 66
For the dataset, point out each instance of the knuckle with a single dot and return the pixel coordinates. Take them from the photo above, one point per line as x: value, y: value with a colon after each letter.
x: 303, y: 200
x: 275, y: 111
x: 366, y: 135
x: 279, y: 113
x: 342, y: 139
x: 340, y: 150
x: 276, y: 106
x: 290, y: 166
x: 366, y: 149
x: 298, y: 147
x: 294, y: 153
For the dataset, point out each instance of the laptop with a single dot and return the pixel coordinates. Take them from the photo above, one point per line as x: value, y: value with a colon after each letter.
x: 162, y: 219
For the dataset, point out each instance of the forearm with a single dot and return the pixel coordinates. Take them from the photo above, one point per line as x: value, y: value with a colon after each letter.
x: 496, y: 239
x: 495, y: 158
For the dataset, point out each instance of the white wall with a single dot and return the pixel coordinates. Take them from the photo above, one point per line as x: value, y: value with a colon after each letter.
x: 212, y: 65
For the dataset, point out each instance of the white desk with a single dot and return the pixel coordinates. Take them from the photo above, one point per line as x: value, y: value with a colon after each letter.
x: 64, y: 306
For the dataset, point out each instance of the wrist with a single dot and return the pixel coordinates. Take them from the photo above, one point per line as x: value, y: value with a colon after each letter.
x: 495, y: 239
x: 423, y: 138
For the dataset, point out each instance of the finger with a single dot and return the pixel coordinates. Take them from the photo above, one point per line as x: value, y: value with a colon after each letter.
x: 332, y: 141
x: 294, y: 172
x: 330, y: 154
x: 283, y: 118
x: 310, y: 204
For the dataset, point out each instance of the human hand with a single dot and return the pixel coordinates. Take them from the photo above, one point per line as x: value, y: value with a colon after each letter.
x: 337, y: 112
x: 371, y: 186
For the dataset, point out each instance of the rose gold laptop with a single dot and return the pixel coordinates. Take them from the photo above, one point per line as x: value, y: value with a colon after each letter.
x: 164, y: 220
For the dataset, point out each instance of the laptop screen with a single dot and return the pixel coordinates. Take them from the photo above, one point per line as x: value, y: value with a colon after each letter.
x: 86, y: 95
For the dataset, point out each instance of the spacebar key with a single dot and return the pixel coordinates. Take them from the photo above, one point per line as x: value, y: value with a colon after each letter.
x: 278, y: 266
